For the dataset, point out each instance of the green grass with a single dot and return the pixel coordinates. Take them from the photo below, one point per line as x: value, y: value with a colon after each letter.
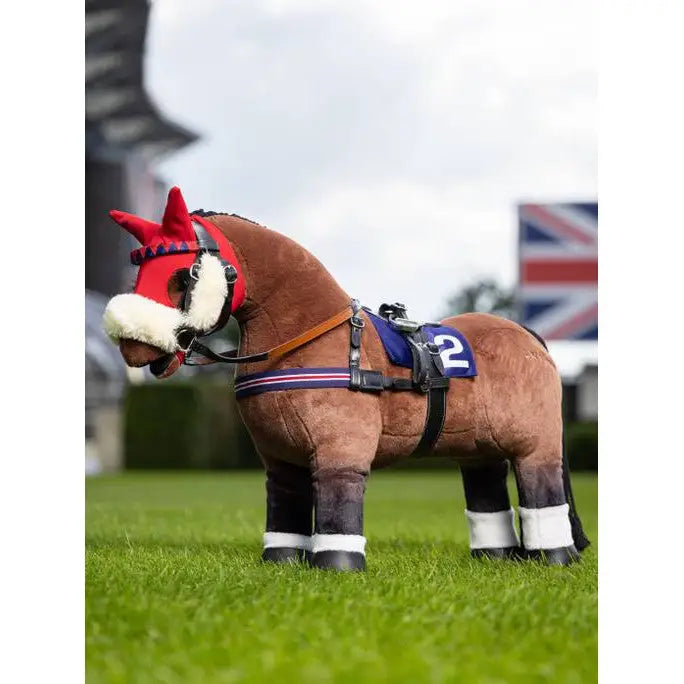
x: 175, y: 591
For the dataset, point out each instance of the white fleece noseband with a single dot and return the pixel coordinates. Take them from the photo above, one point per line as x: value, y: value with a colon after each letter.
x: 208, y: 295
x: 135, y: 317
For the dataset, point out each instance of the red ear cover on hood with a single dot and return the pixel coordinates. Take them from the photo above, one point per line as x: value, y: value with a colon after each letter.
x: 142, y: 230
x: 176, y: 224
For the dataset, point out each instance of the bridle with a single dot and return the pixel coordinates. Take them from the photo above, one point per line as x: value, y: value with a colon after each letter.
x: 188, y: 338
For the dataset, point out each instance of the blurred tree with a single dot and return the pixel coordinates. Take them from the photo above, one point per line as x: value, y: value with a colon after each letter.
x: 486, y: 296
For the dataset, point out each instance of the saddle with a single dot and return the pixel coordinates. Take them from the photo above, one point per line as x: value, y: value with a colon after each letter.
x: 427, y: 369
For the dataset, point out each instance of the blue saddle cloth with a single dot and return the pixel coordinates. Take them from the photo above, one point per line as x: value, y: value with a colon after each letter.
x: 454, y: 350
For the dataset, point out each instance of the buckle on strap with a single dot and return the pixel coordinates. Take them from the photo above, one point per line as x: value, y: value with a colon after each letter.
x: 185, y: 338
x: 230, y: 272
x: 356, y: 320
x: 192, y: 270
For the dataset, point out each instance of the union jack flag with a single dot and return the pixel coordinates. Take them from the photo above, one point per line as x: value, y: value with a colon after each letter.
x: 558, y: 270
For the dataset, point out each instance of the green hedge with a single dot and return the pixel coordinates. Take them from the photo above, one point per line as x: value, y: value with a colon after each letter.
x: 195, y: 425
x: 581, y: 443
x: 185, y: 425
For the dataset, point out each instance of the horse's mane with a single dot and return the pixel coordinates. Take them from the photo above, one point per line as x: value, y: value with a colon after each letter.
x: 204, y: 214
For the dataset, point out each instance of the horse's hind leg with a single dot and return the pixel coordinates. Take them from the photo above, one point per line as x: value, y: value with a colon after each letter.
x: 491, y: 520
x: 544, y: 512
x: 289, y: 508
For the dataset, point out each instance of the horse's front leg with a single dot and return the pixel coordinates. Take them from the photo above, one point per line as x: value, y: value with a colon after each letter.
x: 338, y: 542
x: 289, y: 505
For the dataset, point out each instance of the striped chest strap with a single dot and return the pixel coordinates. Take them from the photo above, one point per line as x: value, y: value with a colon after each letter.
x: 292, y: 378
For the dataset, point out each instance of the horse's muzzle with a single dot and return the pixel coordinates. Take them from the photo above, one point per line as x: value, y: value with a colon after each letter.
x: 138, y: 354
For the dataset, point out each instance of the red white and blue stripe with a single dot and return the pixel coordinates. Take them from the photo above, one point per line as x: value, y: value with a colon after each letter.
x: 558, y: 270
x: 292, y: 378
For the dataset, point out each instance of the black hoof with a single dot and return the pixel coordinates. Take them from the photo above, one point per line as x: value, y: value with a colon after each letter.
x: 564, y: 555
x: 284, y: 554
x: 508, y: 552
x: 339, y: 560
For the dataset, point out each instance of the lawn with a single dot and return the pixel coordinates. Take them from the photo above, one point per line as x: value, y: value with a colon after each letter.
x: 175, y: 591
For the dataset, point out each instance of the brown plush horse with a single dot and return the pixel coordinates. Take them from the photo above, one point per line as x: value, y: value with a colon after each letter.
x: 320, y: 435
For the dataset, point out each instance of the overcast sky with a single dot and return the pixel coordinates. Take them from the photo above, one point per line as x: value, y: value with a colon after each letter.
x: 392, y: 139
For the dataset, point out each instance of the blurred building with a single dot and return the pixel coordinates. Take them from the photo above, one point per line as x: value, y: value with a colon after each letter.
x: 580, y: 395
x: 587, y: 393
x: 106, y: 380
x: 125, y: 135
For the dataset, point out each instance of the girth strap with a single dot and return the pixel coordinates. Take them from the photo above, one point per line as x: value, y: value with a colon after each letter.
x: 434, y: 420
x: 427, y: 376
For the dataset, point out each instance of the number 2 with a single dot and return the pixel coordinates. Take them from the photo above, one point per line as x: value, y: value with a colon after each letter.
x: 447, y: 354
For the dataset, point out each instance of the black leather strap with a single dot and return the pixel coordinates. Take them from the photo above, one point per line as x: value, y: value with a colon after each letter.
x: 434, y: 421
x: 204, y: 239
x: 428, y: 377
x: 223, y: 357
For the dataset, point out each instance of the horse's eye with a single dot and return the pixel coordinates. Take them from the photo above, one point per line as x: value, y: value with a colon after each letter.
x: 177, y: 285
x: 185, y: 277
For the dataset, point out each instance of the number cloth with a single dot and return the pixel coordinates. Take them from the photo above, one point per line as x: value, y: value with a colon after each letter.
x: 454, y: 350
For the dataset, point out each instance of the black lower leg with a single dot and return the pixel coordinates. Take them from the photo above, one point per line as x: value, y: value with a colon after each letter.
x: 338, y: 541
x: 485, y: 487
x: 289, y: 506
x: 545, y: 522
x: 492, y: 532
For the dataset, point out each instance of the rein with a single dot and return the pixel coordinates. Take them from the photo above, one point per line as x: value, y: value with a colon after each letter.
x: 211, y: 356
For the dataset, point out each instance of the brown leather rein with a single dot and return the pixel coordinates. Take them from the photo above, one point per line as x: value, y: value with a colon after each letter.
x: 210, y: 356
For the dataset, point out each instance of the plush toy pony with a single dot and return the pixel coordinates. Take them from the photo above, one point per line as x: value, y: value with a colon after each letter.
x: 329, y: 390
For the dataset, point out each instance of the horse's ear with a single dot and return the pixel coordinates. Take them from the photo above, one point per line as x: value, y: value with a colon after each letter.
x: 141, y: 229
x: 176, y: 224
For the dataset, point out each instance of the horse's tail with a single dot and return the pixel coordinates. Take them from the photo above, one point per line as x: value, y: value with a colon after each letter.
x: 578, y: 537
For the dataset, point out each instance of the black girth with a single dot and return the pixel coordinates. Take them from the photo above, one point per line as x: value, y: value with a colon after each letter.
x: 427, y: 376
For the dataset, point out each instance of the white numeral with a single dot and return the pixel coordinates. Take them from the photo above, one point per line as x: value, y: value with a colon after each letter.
x: 447, y: 354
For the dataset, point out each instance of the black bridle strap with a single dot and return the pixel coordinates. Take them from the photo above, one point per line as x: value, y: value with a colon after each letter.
x: 204, y: 239
x: 187, y: 337
x: 210, y: 356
